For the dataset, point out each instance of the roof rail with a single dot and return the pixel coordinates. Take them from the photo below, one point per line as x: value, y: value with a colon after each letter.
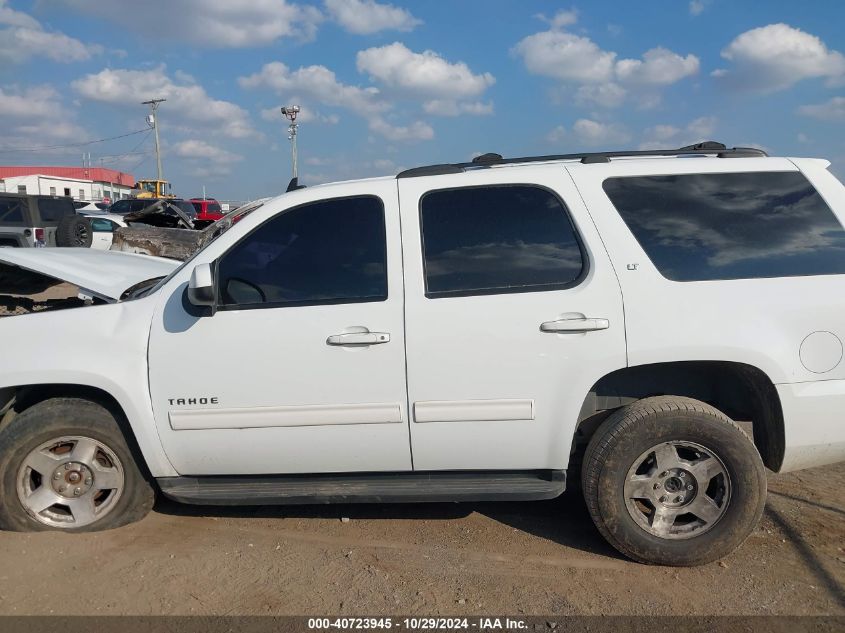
x: 488, y: 160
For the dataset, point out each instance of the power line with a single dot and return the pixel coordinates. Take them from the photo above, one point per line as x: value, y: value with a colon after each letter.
x: 131, y: 152
x: 99, y: 140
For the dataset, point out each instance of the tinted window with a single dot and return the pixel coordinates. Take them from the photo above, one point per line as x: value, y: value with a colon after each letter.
x: 197, y: 206
x: 487, y: 240
x: 324, y: 252
x: 11, y: 211
x: 101, y: 225
x: 54, y: 209
x: 731, y: 226
x: 213, y: 207
x: 121, y: 206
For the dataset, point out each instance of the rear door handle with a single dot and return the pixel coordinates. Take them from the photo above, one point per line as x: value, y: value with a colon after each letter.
x: 359, y: 338
x: 564, y: 326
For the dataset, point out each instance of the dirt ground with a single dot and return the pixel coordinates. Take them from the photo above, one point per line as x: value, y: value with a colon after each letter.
x: 514, y: 558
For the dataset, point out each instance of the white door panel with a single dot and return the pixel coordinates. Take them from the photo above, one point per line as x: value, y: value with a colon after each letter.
x: 490, y: 389
x: 286, y: 398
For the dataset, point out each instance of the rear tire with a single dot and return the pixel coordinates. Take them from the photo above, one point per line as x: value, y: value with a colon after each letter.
x: 672, y: 481
x: 65, y: 465
x: 74, y: 231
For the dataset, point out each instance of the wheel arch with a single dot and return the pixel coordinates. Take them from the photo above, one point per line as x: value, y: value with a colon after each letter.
x: 16, y: 399
x: 743, y: 392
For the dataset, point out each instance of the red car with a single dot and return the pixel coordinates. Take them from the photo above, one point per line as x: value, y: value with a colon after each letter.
x: 208, y: 209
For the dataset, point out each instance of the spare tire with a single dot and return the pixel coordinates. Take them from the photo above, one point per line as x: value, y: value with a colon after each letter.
x: 74, y: 230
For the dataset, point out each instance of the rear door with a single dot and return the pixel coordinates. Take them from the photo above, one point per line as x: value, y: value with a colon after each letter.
x: 513, y: 311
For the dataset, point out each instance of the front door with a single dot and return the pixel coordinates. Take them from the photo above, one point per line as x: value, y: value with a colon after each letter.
x: 513, y: 313
x: 302, y: 367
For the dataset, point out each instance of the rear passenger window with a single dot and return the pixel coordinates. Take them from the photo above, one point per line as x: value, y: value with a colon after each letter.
x: 332, y: 251
x: 54, y: 209
x: 11, y: 211
x: 496, y: 240
x: 697, y: 227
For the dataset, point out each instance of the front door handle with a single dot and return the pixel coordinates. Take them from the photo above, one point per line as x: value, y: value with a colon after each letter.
x: 359, y: 338
x: 573, y: 326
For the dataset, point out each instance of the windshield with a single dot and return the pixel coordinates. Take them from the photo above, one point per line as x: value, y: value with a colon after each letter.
x: 210, y: 234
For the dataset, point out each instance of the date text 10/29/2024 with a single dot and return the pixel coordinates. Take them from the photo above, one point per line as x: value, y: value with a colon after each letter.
x: 418, y: 624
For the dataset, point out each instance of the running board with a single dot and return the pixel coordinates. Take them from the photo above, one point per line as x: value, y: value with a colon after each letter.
x: 405, y: 487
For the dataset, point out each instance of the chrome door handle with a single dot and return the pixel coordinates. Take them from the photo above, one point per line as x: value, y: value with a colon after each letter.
x: 564, y: 326
x: 359, y: 338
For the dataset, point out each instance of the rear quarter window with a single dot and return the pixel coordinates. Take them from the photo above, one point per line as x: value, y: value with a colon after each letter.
x: 698, y: 227
x: 54, y: 209
x: 12, y: 211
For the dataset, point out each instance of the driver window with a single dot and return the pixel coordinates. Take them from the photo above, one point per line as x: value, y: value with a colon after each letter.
x: 326, y: 252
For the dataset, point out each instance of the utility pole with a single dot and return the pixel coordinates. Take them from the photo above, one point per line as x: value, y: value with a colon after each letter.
x: 152, y: 121
x: 290, y: 112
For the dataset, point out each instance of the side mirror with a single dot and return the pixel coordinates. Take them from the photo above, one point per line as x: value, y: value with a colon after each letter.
x: 201, y: 286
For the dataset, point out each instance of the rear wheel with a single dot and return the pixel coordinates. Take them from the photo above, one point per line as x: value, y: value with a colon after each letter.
x: 673, y: 481
x: 74, y: 230
x: 65, y: 465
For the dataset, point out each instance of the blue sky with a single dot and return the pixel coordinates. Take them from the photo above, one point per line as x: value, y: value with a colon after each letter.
x: 390, y: 85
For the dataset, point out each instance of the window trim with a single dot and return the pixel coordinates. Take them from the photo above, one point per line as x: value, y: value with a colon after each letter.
x: 715, y: 173
x: 302, y: 304
x: 446, y: 294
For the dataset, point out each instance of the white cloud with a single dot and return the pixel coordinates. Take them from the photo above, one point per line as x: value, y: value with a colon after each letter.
x: 320, y: 85
x: 832, y: 110
x: 448, y: 107
x: 425, y: 74
x: 364, y: 17
x: 187, y: 103
x: 696, y: 7
x: 658, y: 67
x: 557, y: 134
x: 210, y: 23
x: 602, y: 78
x: 416, y: 131
x: 205, y: 160
x: 592, y: 133
x: 317, y: 83
x: 561, y: 19
x: 663, y: 136
x: 23, y: 38
x: 35, y: 116
x: 777, y: 56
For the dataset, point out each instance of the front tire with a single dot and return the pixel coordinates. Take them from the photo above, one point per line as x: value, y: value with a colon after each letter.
x: 672, y: 481
x: 65, y: 465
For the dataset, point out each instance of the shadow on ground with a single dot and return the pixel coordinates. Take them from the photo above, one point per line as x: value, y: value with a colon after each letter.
x: 564, y: 520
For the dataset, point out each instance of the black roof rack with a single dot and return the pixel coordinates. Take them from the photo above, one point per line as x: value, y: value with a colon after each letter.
x: 487, y: 160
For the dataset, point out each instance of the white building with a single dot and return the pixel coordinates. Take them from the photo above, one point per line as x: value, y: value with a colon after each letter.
x: 80, y: 183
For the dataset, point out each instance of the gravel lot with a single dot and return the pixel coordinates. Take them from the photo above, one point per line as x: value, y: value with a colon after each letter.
x: 515, y: 558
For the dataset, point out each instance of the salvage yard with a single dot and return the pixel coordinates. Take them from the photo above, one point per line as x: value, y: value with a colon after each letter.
x: 517, y: 558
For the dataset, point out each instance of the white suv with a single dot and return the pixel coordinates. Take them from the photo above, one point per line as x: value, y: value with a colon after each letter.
x: 661, y: 326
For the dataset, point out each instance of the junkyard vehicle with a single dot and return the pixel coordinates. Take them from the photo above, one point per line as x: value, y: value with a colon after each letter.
x: 103, y: 226
x: 153, y: 188
x: 208, y: 210
x: 171, y: 213
x: 665, y: 324
x: 37, y: 221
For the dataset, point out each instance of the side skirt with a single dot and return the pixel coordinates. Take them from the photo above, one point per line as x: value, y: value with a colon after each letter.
x: 404, y: 487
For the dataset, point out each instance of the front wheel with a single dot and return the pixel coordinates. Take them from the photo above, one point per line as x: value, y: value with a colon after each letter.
x: 65, y: 465
x: 673, y: 481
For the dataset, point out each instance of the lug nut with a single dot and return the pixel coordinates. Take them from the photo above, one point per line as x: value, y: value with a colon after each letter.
x: 656, y: 486
x: 663, y: 499
x: 57, y: 475
x: 678, y: 499
x: 682, y: 474
x: 88, y: 482
x: 62, y: 488
x: 664, y: 473
x: 689, y: 487
x: 76, y: 491
x: 67, y: 466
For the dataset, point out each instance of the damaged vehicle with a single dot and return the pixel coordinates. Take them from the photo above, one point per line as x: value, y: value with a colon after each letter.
x: 657, y: 327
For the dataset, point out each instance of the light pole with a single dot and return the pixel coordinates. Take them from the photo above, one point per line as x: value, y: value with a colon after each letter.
x: 152, y: 121
x: 290, y: 112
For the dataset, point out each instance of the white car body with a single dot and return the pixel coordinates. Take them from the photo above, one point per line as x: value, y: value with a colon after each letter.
x: 103, y: 226
x: 468, y: 383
